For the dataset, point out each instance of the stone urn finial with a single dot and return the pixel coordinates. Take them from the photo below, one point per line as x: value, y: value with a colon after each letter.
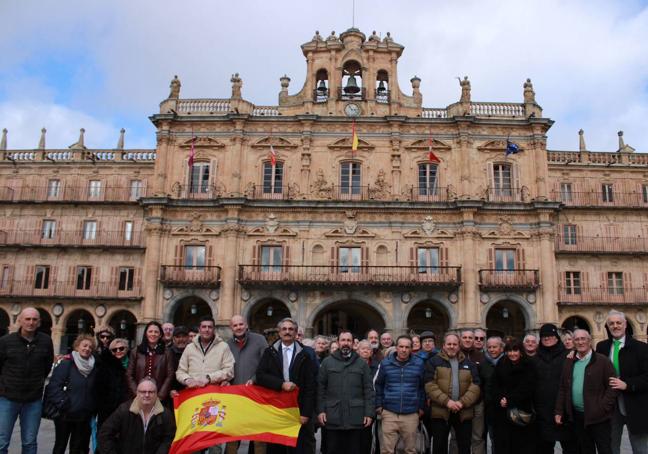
x: 41, y: 141
x: 3, y: 140
x: 581, y: 140
x: 285, y: 81
x: 79, y: 145
x: 120, y: 141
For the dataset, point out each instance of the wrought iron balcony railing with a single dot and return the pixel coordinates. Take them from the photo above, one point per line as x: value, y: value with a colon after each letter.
x: 104, y: 290
x: 506, y: 194
x: 594, y: 295
x: 601, y: 245
x: 509, y: 279
x: 190, y: 276
x: 600, y: 199
x: 71, y: 238
x: 322, y: 275
x: 71, y: 194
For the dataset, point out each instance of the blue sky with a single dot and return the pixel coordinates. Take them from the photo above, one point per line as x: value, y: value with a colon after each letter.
x: 107, y: 65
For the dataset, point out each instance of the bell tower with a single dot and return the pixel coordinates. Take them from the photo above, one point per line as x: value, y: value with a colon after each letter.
x: 351, y: 75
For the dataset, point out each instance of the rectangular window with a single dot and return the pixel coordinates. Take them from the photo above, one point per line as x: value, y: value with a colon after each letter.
x: 126, y: 275
x: 607, y: 192
x: 128, y: 231
x: 505, y: 259
x: 89, y: 230
x: 49, y: 229
x: 427, y: 179
x: 573, y: 282
x: 502, y: 180
x: 569, y: 234
x: 84, y: 277
x: 199, y: 179
x: 428, y: 259
x: 6, y: 272
x: 350, y: 178
x: 271, y: 258
x: 136, y: 189
x: 194, y: 257
x: 41, y: 277
x: 272, y: 178
x: 644, y: 193
x: 615, y: 283
x: 566, y: 192
x: 53, y: 188
x: 94, y: 188
x: 349, y: 259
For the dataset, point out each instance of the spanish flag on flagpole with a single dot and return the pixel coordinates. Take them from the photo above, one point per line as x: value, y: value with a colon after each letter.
x: 354, y: 137
x: 218, y: 414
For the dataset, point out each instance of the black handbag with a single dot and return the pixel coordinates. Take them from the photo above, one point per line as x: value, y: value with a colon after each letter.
x: 520, y: 417
x: 53, y: 409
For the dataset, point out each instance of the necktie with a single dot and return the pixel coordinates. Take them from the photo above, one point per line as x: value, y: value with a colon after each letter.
x: 286, y: 364
x: 615, y: 355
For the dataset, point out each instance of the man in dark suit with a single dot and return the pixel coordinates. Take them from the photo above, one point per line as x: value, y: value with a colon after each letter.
x: 630, y: 360
x: 285, y: 365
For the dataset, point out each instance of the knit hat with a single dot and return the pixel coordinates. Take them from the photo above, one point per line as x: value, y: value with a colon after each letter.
x: 180, y: 331
x: 548, y: 330
x: 427, y: 335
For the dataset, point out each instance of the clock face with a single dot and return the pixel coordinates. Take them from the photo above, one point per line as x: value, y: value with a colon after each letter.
x: 352, y: 110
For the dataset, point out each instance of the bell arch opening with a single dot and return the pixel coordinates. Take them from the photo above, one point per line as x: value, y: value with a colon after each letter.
x: 575, y: 322
x: 265, y: 314
x: 189, y: 310
x: 79, y: 321
x: 355, y: 316
x: 428, y: 316
x: 506, y: 318
x: 46, y: 321
x: 125, y: 325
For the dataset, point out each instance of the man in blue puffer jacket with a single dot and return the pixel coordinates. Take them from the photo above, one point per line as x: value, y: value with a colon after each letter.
x: 400, y: 396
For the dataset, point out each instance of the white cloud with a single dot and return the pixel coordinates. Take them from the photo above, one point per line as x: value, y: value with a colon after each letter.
x: 587, y: 59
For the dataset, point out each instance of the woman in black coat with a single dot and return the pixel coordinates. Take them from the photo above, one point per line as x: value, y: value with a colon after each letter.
x: 73, y: 382
x: 514, y: 386
x: 112, y: 386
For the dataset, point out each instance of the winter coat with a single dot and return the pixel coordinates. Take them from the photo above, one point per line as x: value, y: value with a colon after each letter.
x: 24, y: 366
x: 633, y: 366
x: 598, y: 398
x: 269, y: 374
x: 438, y: 380
x: 247, y: 356
x: 487, y: 380
x: 123, y: 432
x: 69, y: 385
x: 217, y: 362
x: 399, y: 386
x: 515, y: 382
x: 345, y: 391
x: 548, y: 363
x: 111, y: 385
x: 162, y: 371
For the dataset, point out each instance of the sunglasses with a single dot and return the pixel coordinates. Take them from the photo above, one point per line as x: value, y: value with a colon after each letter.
x: 479, y: 338
x: 118, y: 349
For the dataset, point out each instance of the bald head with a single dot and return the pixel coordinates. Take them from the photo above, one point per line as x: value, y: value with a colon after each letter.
x: 28, y: 321
x: 238, y: 326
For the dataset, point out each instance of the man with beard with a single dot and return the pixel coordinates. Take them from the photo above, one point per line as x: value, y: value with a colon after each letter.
x: 247, y: 348
x: 345, y: 397
x: 374, y: 339
x: 284, y: 366
x: 549, y: 363
x: 167, y: 333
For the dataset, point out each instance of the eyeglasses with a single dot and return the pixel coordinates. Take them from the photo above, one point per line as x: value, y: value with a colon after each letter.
x: 118, y: 349
x: 479, y: 338
x: 146, y: 392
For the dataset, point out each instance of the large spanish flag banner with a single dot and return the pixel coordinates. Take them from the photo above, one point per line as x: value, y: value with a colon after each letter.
x: 217, y: 414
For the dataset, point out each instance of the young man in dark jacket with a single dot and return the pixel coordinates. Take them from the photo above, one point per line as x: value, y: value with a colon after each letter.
x: 26, y: 358
x: 585, y: 397
x: 400, y: 397
x: 140, y: 426
x: 345, y: 397
x: 284, y: 366
x: 630, y: 360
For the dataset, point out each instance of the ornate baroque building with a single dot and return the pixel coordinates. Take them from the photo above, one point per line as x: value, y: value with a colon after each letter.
x: 268, y: 211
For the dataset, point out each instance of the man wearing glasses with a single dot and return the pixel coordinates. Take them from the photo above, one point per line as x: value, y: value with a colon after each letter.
x: 284, y: 366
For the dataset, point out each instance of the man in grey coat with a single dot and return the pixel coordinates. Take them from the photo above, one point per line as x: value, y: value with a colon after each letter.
x: 345, y: 397
x: 247, y: 348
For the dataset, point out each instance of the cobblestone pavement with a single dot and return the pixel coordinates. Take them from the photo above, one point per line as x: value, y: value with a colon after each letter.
x: 46, y: 440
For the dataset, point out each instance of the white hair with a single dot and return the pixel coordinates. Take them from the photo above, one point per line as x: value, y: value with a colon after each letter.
x: 614, y: 312
x: 529, y: 336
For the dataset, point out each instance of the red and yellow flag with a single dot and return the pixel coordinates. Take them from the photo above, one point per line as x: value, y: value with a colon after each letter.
x: 217, y: 414
x: 354, y: 137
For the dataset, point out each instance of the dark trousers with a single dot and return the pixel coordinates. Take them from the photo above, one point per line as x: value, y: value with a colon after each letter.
x: 305, y: 442
x: 77, y: 432
x: 343, y: 441
x: 366, y: 439
x: 592, y: 438
x: 547, y: 447
x: 441, y: 430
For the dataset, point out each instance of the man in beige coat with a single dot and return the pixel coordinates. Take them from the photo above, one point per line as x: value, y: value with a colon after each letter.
x: 206, y: 360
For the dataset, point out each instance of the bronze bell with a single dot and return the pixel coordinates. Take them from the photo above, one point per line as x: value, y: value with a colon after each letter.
x: 351, y: 86
x: 381, y: 87
x: 321, y: 88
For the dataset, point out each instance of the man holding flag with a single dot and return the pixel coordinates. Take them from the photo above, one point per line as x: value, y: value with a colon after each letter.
x: 285, y: 366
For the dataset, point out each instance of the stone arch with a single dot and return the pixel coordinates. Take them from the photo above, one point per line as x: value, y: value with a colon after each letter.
x: 46, y: 321
x: 78, y: 321
x: 355, y: 314
x: 124, y: 323
x: 189, y: 310
x: 429, y: 315
x: 264, y: 313
x: 515, y: 319
x: 318, y: 253
x: 574, y: 321
x: 382, y: 255
x: 5, y: 322
x: 179, y: 296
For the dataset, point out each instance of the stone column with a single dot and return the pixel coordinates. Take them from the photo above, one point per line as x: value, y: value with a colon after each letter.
x: 548, y: 312
x: 230, y: 297
x: 161, y: 162
x: 469, y: 308
x: 151, y: 272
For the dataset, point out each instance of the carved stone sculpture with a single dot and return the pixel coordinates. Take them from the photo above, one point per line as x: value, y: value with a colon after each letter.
x: 175, y: 88
x: 465, y: 89
x: 529, y: 94
x: 237, y: 83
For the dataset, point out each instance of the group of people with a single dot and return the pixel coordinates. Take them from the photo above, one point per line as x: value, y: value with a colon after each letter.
x: 364, y: 395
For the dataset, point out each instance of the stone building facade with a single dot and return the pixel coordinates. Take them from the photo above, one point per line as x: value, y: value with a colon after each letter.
x: 439, y: 218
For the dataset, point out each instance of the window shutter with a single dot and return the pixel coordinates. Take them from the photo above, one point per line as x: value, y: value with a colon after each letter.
x: 210, y: 255
x: 584, y: 281
x: 114, y: 273
x: 443, y: 256
x: 286, y: 257
x: 255, y: 254
x: 334, y: 258
x: 53, y: 273
x: 31, y: 270
x: 491, y: 175
x: 213, y: 164
x: 515, y: 177
x: 412, y: 259
x: 364, y: 257
x: 177, y: 259
x: 491, y: 258
x: 563, y: 280
x: 521, y: 262
x: 603, y: 280
x: 72, y: 276
x: 627, y: 280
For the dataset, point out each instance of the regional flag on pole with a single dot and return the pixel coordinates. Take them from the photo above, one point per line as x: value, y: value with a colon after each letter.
x: 354, y: 137
x: 273, y: 156
x: 218, y: 414
x: 192, y: 153
x: 431, y: 156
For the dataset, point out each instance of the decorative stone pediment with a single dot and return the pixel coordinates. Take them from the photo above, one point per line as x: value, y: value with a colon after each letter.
x: 496, y: 145
x: 345, y: 144
x: 262, y: 231
x: 424, y: 144
x: 420, y: 233
x: 358, y: 232
x: 202, y: 142
x: 276, y: 142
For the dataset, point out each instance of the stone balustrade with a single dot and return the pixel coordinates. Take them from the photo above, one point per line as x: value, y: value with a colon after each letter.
x: 597, y: 158
x: 203, y: 106
x: 497, y: 109
x: 67, y: 155
x: 434, y: 112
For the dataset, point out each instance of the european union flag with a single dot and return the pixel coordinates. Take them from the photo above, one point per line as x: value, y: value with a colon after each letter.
x: 512, y: 148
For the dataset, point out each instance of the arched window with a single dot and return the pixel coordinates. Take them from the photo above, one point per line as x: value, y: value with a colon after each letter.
x: 272, y: 179
x: 427, y: 179
x: 351, y: 81
x: 350, y: 178
x: 382, y: 86
x: 321, y: 91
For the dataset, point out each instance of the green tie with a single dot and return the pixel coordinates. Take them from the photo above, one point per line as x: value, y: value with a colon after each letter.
x: 615, y: 356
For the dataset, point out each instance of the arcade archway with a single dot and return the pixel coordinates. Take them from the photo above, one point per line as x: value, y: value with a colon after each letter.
x: 266, y: 314
x: 80, y: 321
x: 576, y: 322
x: 428, y: 316
x: 125, y: 325
x: 505, y: 318
x: 46, y: 321
x: 355, y: 316
x: 190, y: 310
x: 5, y: 322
